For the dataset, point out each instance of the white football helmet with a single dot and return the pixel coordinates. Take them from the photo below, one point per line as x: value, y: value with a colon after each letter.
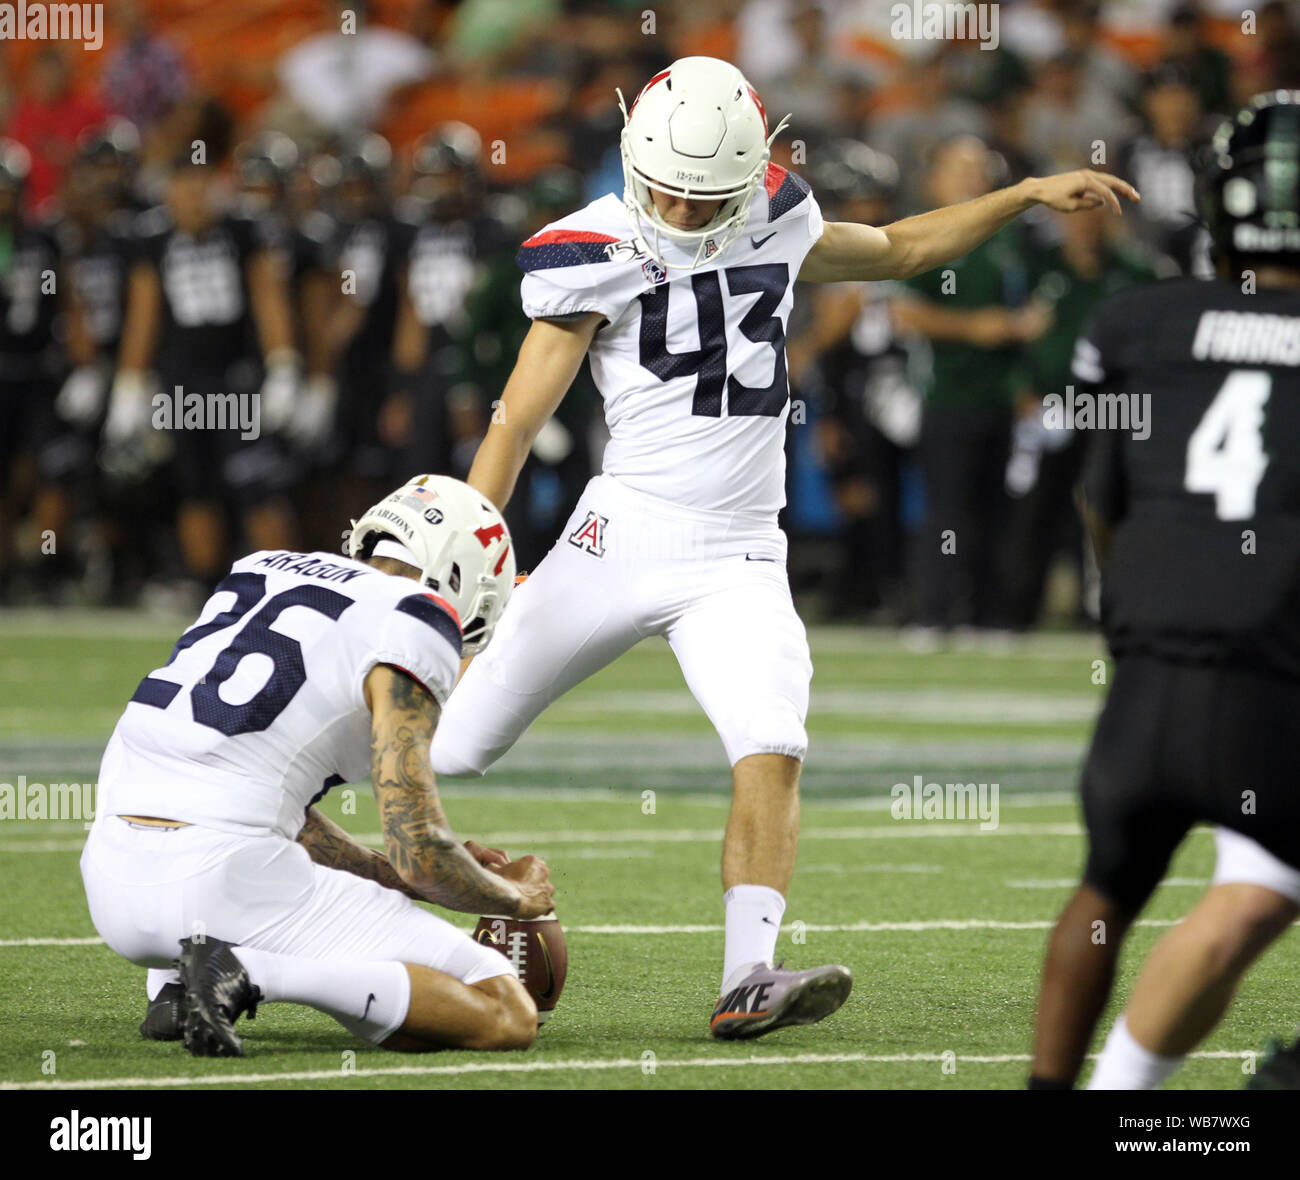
x: 460, y: 542
x: 696, y: 130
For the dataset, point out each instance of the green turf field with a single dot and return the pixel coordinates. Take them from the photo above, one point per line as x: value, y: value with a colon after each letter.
x: 942, y: 924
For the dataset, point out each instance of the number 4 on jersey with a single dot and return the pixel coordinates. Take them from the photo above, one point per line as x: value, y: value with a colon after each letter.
x: 1225, y: 454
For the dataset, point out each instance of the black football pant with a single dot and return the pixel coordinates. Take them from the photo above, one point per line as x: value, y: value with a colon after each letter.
x: 1182, y: 744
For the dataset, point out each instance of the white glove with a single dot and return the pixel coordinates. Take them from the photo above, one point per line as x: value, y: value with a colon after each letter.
x: 128, y: 408
x: 82, y: 396
x: 279, y: 393
x: 313, y: 416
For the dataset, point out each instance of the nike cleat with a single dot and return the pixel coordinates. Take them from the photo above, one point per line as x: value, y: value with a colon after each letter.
x: 164, y: 1019
x: 217, y: 993
x: 770, y: 998
x: 1281, y: 1068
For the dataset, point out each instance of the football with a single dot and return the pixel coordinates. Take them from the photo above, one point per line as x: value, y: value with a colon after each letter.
x: 537, y: 951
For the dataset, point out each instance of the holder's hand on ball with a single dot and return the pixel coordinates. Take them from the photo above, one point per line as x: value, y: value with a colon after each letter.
x: 489, y: 858
x: 533, y: 879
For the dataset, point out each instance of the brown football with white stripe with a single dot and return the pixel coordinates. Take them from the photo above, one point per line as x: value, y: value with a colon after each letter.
x: 536, y: 949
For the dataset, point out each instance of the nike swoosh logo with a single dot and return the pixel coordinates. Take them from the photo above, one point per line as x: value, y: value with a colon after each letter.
x: 756, y: 242
x: 751, y: 557
x: 371, y: 999
x: 768, y: 920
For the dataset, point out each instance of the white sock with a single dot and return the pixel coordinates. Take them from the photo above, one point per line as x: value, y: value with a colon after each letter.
x: 370, y: 999
x: 753, y: 920
x: 1126, y: 1065
x: 158, y: 978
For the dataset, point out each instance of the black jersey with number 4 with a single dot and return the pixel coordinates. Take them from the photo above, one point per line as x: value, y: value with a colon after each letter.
x: 1204, y: 562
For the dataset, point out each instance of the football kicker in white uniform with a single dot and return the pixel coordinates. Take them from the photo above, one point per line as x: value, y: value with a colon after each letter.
x: 207, y: 856
x: 679, y: 294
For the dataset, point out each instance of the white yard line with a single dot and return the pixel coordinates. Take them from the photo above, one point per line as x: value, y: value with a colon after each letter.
x: 649, y: 835
x: 708, y: 928
x: 530, y: 1067
x: 1071, y: 882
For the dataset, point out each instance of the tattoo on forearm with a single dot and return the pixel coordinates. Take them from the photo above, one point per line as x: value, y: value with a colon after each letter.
x: 421, y: 845
x: 329, y: 845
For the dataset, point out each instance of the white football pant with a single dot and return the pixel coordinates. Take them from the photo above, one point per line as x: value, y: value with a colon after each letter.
x: 627, y: 567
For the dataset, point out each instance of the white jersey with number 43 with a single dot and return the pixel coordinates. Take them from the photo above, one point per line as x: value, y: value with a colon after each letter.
x: 261, y: 708
x: 691, y: 365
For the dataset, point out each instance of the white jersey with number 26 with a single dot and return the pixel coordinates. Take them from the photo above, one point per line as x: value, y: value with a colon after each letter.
x: 691, y: 364
x: 261, y: 707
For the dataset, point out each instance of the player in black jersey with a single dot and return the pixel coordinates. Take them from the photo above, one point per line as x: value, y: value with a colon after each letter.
x: 1198, y: 529
x: 449, y: 239
x: 208, y: 311
x: 368, y: 247
x: 32, y: 299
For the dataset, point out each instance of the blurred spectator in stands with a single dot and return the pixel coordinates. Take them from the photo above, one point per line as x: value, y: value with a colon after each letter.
x: 145, y: 76
x: 1089, y: 262
x: 1209, y: 69
x: 981, y: 75
x: 48, y: 121
x: 1273, y: 61
x: 802, y: 86
x: 488, y: 38
x: 930, y: 116
x: 850, y: 363
x: 1103, y: 72
x: 1157, y: 162
x: 977, y: 315
x: 590, y: 124
x: 1063, y: 120
x: 342, y: 79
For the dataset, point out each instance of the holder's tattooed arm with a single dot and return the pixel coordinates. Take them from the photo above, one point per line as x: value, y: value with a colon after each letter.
x: 329, y: 845
x: 422, y: 849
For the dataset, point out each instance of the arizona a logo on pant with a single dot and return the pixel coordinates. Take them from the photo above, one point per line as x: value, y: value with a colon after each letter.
x: 590, y: 535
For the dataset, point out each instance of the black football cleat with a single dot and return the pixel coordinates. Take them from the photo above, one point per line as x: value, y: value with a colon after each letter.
x: 1281, y: 1068
x: 769, y: 998
x: 164, y: 1019
x: 217, y: 993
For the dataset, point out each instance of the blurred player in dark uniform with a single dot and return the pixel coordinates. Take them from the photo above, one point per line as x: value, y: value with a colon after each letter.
x: 208, y: 311
x: 851, y: 359
x: 1072, y: 276
x: 267, y: 168
x: 31, y: 365
x: 450, y: 234
x: 367, y: 256
x: 1198, y: 530
x: 559, y: 463
x: 95, y: 236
